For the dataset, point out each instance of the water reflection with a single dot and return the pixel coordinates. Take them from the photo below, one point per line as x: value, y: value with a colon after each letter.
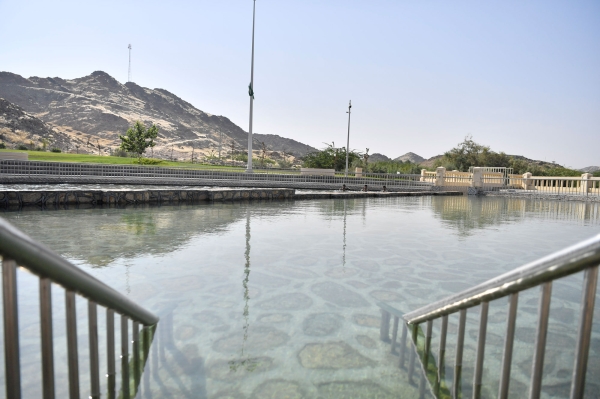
x: 467, y: 214
x: 312, y: 274
x: 248, y: 363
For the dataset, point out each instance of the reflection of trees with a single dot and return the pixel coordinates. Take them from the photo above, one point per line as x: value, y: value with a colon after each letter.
x: 467, y: 214
x: 127, y: 232
x: 139, y: 223
x: 338, y: 209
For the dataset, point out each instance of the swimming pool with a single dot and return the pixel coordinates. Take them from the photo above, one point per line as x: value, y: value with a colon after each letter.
x: 278, y: 299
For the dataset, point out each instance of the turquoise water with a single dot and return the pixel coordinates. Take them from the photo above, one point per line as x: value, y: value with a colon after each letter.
x: 278, y: 299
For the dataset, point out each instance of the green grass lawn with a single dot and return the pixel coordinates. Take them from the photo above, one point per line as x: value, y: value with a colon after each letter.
x: 100, y: 159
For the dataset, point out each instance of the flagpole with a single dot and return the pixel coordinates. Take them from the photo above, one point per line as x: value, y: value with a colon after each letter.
x: 348, y: 142
x: 251, y: 93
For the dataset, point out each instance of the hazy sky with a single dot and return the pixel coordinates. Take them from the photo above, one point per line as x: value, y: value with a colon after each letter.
x: 520, y: 76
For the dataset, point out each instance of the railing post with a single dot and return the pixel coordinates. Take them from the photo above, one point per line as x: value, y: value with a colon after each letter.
x: 540, y: 341
x: 395, y: 333
x: 47, y: 341
x: 11, y: 329
x: 586, y: 319
x: 585, y: 182
x: 125, y: 358
x: 94, y: 361
x: 440, y: 173
x: 508, y: 346
x: 456, y: 387
x: 110, y: 353
x: 441, y: 354
x: 477, y: 379
x: 72, y: 345
x: 477, y: 178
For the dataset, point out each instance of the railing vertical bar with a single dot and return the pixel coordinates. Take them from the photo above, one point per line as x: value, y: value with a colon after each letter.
x: 395, y: 333
x: 540, y: 342
x: 93, y: 339
x: 110, y: 353
x: 125, y: 358
x: 47, y: 340
x: 480, y: 350
x: 136, y: 353
x: 411, y: 363
x: 146, y: 351
x: 73, y: 358
x: 513, y: 301
x: 427, y: 347
x: 459, y: 353
x: 586, y: 320
x: 441, y: 353
x: 403, y: 345
x: 11, y: 329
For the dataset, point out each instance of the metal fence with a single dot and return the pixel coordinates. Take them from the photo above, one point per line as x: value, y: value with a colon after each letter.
x: 132, y: 174
x: 545, y: 185
x: 17, y: 249
x: 583, y: 257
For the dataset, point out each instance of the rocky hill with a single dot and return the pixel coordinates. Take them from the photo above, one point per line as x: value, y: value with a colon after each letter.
x: 377, y: 157
x: 410, y: 156
x: 590, y: 169
x: 97, y: 108
x: 18, y: 128
x: 282, y: 144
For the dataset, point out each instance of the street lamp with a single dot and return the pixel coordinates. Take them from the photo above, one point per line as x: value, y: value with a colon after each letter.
x: 251, y: 94
x: 348, y: 141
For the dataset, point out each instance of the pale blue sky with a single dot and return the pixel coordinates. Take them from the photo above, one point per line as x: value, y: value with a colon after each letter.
x: 520, y: 76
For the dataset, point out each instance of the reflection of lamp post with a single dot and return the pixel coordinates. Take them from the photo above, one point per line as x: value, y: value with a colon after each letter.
x: 344, y: 246
x: 251, y: 93
x: 348, y: 141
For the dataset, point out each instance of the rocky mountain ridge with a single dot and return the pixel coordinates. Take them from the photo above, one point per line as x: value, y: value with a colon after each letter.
x: 17, y: 127
x: 97, y: 108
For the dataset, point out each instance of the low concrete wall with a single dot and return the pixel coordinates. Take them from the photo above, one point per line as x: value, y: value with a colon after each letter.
x: 13, y: 198
x: 74, y: 197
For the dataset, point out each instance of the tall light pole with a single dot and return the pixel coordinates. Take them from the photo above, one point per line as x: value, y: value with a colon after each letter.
x: 348, y: 141
x: 251, y: 94
x: 129, y: 70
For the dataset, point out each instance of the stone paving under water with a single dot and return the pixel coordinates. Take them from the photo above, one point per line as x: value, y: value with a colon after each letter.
x: 278, y: 299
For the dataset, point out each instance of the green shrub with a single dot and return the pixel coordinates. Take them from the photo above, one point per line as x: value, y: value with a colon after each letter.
x: 55, y: 150
x: 2, y: 145
x: 147, y: 161
x: 22, y: 147
x: 119, y: 152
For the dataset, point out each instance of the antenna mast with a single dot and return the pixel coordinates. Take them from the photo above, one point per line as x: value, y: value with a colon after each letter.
x: 129, y: 72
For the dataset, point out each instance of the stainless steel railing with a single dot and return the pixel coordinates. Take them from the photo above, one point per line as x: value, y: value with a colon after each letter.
x: 38, y: 171
x: 582, y: 257
x: 17, y: 249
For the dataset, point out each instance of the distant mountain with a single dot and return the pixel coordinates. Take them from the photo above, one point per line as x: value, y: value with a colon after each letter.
x: 410, y: 156
x: 590, y: 169
x: 282, y: 144
x: 377, y: 157
x: 97, y: 108
x: 17, y: 127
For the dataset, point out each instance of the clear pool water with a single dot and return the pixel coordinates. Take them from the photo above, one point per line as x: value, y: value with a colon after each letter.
x: 278, y: 299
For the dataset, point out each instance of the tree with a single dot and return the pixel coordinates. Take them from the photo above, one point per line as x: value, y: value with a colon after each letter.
x: 330, y: 158
x: 138, y: 139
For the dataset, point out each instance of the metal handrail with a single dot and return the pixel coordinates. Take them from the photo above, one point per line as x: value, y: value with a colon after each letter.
x: 17, y: 249
x: 568, y: 261
x: 581, y: 257
x: 42, y: 261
